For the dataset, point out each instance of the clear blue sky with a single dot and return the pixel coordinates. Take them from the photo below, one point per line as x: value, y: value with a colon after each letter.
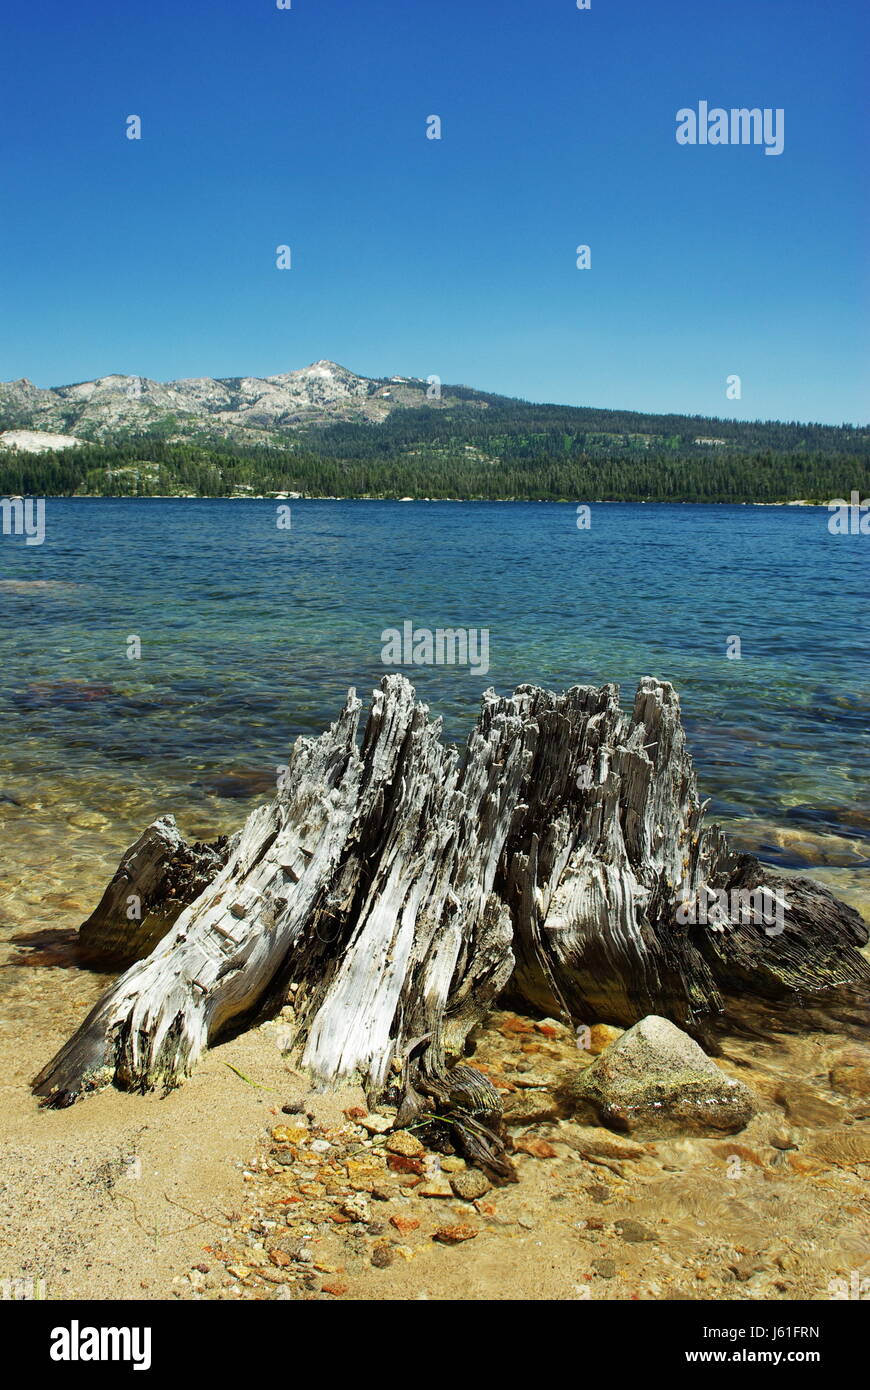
x: 307, y: 127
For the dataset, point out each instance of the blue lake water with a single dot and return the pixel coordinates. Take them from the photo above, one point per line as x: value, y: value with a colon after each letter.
x: 251, y: 634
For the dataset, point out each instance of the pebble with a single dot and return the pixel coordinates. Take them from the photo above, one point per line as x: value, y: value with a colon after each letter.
x: 405, y: 1144
x: 375, y: 1124
x: 382, y: 1255
x: 601, y: 1036
x: 783, y: 1139
x: 634, y: 1232
x: 597, y: 1142
x: 289, y: 1134
x: 530, y: 1107
x: 398, y: 1163
x: 88, y: 820
x: 357, y: 1208
x: 404, y: 1224
x: 538, y: 1148
x: 436, y: 1186
x: 470, y: 1185
x: 454, y: 1235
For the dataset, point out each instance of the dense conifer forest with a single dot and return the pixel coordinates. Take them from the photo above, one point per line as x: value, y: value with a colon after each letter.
x: 489, y: 447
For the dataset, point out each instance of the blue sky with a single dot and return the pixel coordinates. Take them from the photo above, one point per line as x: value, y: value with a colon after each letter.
x: 306, y: 127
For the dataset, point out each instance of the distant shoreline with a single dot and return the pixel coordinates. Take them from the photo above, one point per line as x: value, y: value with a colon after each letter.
x: 461, y: 501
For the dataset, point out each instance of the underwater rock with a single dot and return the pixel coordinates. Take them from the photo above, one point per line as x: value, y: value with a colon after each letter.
x: 655, y: 1080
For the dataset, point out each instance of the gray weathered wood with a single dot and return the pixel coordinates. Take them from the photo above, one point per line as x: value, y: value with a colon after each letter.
x: 400, y: 886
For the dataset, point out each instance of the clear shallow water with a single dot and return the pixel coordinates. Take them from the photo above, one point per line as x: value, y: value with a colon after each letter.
x: 251, y: 635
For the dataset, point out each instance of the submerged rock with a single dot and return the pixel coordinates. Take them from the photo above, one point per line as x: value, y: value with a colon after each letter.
x: 655, y: 1080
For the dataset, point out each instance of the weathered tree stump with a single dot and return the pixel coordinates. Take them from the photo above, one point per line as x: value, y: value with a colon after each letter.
x: 157, y: 877
x: 400, y: 887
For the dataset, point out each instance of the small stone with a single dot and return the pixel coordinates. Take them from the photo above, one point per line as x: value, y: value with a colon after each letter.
x: 470, y: 1185
x: 807, y: 1109
x: 454, y: 1235
x: 88, y: 820
x: 435, y: 1186
x: 547, y: 1027
x: 452, y: 1163
x: 398, y: 1163
x: 744, y: 1268
x: 382, y: 1255
x: 381, y: 1193
x: 363, y: 1173
x: 601, y: 1035
x: 376, y: 1124
x: 538, y: 1148
x: 405, y: 1143
x: 594, y: 1141
x: 356, y: 1208
x: 606, y: 1269
x: 783, y: 1139
x: 635, y: 1232
x: 529, y: 1107
x: 337, y: 1288
x: 513, y: 1025
x: 404, y: 1224
x: 289, y: 1134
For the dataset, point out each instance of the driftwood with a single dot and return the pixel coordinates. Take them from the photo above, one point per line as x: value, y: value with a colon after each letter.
x: 157, y: 877
x: 400, y: 888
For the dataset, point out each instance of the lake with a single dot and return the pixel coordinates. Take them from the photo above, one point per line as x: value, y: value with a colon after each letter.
x: 250, y: 634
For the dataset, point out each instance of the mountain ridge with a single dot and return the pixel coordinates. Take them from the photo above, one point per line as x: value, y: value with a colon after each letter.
x: 323, y: 430
x: 238, y: 407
